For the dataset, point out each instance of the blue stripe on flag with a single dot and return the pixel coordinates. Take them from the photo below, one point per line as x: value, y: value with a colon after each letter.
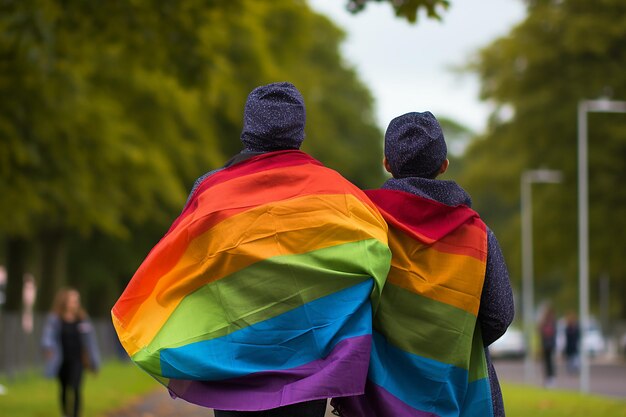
x: 292, y: 339
x: 478, y: 399
x: 417, y: 381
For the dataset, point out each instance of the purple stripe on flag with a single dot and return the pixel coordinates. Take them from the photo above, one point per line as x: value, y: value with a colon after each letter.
x: 377, y: 402
x: 343, y: 372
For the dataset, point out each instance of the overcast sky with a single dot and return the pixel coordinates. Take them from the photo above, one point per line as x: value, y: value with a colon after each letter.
x: 407, y: 67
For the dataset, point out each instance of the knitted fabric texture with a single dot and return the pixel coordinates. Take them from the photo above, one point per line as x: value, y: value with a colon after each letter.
x: 274, y: 118
x: 415, y: 146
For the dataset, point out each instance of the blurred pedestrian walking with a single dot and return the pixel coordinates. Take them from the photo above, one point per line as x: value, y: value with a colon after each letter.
x: 69, y: 346
x: 572, y: 341
x: 547, y: 331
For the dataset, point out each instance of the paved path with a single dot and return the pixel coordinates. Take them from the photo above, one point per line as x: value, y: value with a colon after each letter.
x: 160, y: 404
x: 606, y: 379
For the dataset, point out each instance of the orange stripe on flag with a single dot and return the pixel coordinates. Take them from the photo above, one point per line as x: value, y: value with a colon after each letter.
x: 287, y: 227
x: 452, y: 278
x: 225, y: 200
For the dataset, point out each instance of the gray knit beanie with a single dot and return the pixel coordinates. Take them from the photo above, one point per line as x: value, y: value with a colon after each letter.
x: 414, y: 145
x: 273, y: 118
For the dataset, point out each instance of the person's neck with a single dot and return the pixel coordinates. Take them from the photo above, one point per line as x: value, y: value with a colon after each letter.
x: 443, y: 191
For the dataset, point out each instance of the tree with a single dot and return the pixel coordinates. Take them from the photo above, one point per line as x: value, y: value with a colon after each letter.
x: 458, y: 137
x: 563, y: 52
x: 116, y: 108
x: 407, y: 9
x: 68, y: 145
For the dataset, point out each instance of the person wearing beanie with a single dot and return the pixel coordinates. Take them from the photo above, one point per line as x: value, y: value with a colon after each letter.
x: 447, y: 296
x: 273, y: 120
x: 258, y: 300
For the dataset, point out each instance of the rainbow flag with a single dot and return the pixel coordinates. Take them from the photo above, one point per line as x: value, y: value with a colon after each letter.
x: 427, y: 354
x: 260, y: 294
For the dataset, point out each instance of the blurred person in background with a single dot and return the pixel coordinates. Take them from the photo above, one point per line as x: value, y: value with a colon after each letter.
x: 547, y: 331
x: 70, y: 346
x: 3, y: 282
x: 29, y: 296
x: 572, y: 340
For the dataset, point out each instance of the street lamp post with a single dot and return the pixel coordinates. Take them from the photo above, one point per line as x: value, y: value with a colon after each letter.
x: 584, y: 107
x: 529, y: 177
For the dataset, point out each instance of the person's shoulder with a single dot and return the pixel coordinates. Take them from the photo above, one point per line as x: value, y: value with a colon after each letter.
x: 318, y: 168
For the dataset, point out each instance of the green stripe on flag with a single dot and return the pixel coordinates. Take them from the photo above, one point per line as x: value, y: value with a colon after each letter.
x: 478, y: 367
x: 264, y: 290
x: 425, y: 327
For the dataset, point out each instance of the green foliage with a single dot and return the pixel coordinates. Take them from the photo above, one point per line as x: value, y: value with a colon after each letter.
x: 407, y: 9
x: 113, y: 108
x: 563, y: 52
x: 73, y: 134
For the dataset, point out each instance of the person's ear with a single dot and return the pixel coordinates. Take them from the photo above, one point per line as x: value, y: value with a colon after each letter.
x: 386, y: 165
x: 444, y: 166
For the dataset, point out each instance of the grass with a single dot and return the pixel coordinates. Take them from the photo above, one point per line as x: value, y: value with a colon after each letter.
x: 116, y: 385
x: 119, y: 384
x: 524, y: 401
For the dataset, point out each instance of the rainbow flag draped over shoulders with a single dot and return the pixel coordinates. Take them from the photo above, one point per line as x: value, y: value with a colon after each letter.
x: 260, y: 294
x: 427, y: 355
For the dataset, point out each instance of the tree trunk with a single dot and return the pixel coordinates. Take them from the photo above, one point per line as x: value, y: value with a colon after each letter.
x: 16, y: 248
x: 53, y: 263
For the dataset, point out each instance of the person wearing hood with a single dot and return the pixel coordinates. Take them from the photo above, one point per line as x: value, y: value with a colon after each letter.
x: 447, y: 295
x: 258, y: 300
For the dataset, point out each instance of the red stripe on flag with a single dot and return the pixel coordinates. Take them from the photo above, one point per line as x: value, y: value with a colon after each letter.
x: 422, y: 218
x: 253, y: 165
